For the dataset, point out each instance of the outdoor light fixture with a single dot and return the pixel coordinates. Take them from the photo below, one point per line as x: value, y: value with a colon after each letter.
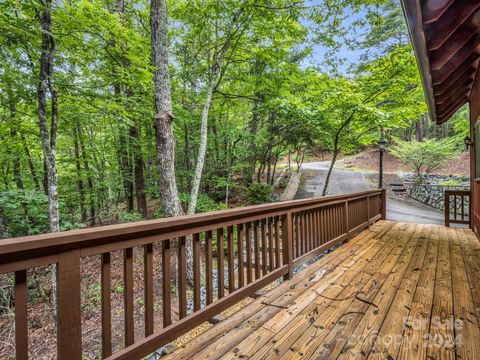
x: 382, y: 144
x: 467, y: 141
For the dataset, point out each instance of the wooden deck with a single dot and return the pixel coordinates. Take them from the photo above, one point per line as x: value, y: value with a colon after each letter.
x: 396, y: 291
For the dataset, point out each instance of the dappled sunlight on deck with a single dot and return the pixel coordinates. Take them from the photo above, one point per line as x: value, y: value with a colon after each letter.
x: 396, y: 291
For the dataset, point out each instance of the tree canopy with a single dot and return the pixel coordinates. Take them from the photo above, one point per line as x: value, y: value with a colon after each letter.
x: 246, y: 91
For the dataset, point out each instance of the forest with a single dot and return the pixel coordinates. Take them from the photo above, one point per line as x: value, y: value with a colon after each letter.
x: 118, y: 111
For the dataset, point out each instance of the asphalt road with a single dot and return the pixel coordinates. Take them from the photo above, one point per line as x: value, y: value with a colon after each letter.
x: 344, y: 181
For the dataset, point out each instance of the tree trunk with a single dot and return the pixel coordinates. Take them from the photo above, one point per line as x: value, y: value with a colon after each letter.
x: 48, y: 137
x: 330, y: 169
x: 31, y: 165
x: 17, y: 175
x: 138, y: 171
x: 86, y: 166
x: 163, y: 108
x: 80, y: 187
x: 419, y: 130
x: 197, y: 177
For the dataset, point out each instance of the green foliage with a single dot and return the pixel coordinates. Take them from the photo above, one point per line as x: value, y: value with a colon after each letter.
x: 22, y: 213
x: 204, y: 203
x: 272, y: 99
x: 126, y: 217
x: 424, y: 156
x: 450, y: 182
x: 258, y: 193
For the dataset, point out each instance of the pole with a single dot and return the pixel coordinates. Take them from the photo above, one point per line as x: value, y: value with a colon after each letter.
x: 380, y: 175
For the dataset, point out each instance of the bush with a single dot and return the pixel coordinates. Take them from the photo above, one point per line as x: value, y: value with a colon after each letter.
x: 424, y: 156
x: 23, y: 212
x: 259, y: 193
x: 450, y: 182
x: 204, y: 203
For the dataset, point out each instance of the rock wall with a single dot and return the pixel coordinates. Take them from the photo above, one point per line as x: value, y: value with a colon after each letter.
x: 432, y: 194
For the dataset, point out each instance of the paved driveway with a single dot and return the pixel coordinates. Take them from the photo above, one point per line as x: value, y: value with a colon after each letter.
x: 344, y: 181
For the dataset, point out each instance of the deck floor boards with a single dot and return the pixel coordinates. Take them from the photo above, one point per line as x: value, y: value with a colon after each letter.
x: 395, y: 291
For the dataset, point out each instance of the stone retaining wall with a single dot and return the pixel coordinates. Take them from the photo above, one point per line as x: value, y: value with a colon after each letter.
x: 431, y: 194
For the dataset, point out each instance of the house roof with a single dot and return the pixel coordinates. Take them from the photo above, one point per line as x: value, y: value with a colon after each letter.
x: 446, y: 38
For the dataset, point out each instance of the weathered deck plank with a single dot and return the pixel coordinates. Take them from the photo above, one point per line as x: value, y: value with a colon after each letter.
x: 393, y: 292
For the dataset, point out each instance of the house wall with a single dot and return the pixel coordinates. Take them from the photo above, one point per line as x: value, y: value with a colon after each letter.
x: 475, y: 182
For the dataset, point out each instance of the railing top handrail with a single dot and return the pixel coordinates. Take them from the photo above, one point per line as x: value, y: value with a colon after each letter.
x: 74, y: 238
x: 457, y: 192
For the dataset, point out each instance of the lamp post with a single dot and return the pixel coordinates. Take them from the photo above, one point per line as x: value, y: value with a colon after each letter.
x: 468, y: 142
x: 381, y: 145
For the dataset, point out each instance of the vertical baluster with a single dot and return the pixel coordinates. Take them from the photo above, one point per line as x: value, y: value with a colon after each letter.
x: 264, y: 247
x: 209, y: 266
x: 270, y: 244
x: 220, y: 262
x: 312, y: 232
x: 231, y: 261
x: 307, y: 231
x: 327, y: 224
x: 297, y: 235
x: 277, y: 242
x: 447, y: 209
x: 128, y: 296
x: 106, y: 306
x: 256, y: 250
x: 21, y: 325
x: 248, y: 248
x: 196, y: 272
x: 166, y: 276
x: 462, y: 206
x: 240, y: 249
x: 455, y: 207
x: 182, y: 278
x: 301, y: 224
x: 148, y: 289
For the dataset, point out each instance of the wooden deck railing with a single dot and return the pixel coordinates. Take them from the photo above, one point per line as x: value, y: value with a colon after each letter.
x: 253, y: 246
x: 457, y: 207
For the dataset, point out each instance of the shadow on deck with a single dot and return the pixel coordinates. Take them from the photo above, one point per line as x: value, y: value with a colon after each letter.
x: 396, y: 291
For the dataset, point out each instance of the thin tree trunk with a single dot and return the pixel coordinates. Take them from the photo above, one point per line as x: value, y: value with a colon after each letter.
x: 31, y: 165
x: 330, y: 169
x: 80, y: 187
x: 138, y: 171
x: 86, y: 166
x: 48, y: 137
x: 202, y: 148
x: 17, y: 175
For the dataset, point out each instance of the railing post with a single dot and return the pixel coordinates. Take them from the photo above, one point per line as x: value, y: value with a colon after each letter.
x: 347, y: 221
x: 447, y: 208
x: 384, y: 204
x: 470, y: 209
x: 368, y: 211
x: 69, y: 332
x: 287, y: 243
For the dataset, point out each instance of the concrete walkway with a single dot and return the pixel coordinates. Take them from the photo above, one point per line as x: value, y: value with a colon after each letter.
x: 344, y: 181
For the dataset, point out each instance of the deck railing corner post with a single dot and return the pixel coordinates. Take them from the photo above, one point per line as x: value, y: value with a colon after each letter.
x: 384, y: 204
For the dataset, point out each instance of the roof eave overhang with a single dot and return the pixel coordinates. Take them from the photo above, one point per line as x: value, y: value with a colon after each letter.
x: 412, y: 11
